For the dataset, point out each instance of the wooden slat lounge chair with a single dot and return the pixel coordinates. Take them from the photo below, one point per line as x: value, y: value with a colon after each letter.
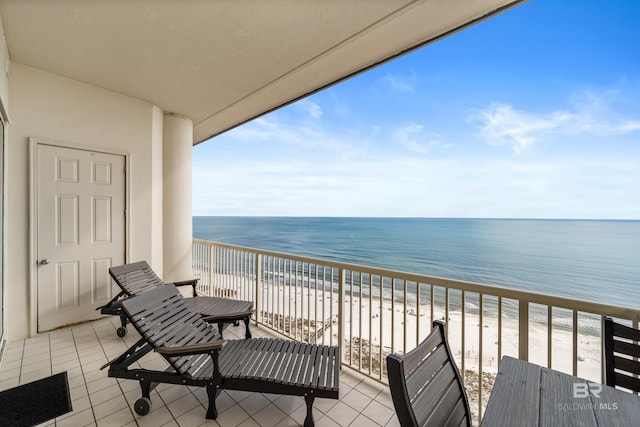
x: 426, y: 387
x: 622, y: 351
x: 138, y: 277
x: 197, y: 357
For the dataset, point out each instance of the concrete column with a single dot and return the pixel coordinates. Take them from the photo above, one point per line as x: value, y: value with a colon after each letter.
x: 177, y: 221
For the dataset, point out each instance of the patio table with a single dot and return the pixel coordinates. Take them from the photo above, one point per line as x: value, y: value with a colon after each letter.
x: 525, y: 394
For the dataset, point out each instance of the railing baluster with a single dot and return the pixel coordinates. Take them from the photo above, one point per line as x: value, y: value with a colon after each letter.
x: 246, y: 274
x: 288, y: 292
x: 463, y: 320
x: 575, y: 342
x: 295, y: 305
x: 417, y: 313
x: 480, y: 348
x: 432, y: 293
x: 212, y: 272
x: 549, y: 336
x: 342, y: 279
x: 329, y: 328
x: 404, y: 317
x: 308, y: 317
x: 275, y: 261
x: 499, y: 330
x: 351, y: 317
x: 280, y: 278
x: 381, y: 326
x: 315, y: 303
x: 360, y: 320
x: 257, y: 284
x: 523, y: 330
x: 393, y: 313
x: 446, y: 305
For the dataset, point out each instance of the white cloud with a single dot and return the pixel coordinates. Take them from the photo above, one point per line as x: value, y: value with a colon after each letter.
x: 628, y: 126
x: 412, y: 137
x: 407, y: 135
x: 502, y: 124
x: 271, y: 129
x: 312, y: 109
x: 590, y: 113
x: 402, y: 84
x: 296, y: 132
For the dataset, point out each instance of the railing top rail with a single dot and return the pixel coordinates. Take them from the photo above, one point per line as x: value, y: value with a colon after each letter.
x: 493, y: 290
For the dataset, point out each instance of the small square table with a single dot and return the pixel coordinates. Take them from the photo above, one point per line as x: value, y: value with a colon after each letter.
x: 525, y: 394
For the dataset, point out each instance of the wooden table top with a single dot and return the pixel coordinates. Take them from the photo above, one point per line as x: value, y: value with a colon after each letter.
x: 525, y: 394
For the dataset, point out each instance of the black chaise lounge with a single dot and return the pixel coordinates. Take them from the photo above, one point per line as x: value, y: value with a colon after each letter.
x: 426, y: 387
x: 197, y: 357
x: 138, y: 277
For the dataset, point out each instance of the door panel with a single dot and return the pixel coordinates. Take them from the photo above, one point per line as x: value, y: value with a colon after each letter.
x: 67, y: 224
x: 67, y: 286
x: 101, y: 224
x: 80, y: 232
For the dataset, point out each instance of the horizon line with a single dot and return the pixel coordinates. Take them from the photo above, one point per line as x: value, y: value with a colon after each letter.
x: 418, y: 217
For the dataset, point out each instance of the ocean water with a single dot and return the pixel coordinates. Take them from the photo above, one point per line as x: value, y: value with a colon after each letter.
x: 584, y: 259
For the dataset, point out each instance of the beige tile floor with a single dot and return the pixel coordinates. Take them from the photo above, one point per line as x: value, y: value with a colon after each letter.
x: 101, y: 401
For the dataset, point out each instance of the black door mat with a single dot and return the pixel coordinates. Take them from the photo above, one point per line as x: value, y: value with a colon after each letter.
x: 35, y: 402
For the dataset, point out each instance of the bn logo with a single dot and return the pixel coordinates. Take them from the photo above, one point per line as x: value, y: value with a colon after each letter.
x: 582, y: 390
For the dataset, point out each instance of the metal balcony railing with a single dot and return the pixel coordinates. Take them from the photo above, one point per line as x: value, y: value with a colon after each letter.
x: 371, y: 312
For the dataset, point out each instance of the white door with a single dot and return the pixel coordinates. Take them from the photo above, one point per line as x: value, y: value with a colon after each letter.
x: 80, y: 232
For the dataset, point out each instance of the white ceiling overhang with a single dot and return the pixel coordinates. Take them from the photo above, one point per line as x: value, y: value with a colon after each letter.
x: 222, y: 63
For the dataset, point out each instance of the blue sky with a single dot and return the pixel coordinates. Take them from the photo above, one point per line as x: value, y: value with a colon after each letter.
x: 531, y: 114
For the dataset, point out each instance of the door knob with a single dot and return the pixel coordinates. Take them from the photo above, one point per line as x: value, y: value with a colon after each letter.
x: 44, y: 261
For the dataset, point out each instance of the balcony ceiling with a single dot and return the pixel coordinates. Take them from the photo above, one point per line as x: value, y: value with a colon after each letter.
x: 222, y: 63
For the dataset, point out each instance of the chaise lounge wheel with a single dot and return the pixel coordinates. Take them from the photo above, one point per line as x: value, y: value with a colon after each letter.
x: 142, y: 406
x: 121, y: 331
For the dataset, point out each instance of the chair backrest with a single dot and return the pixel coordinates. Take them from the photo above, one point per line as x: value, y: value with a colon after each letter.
x: 622, y: 350
x: 135, y: 278
x: 426, y: 386
x: 163, y: 319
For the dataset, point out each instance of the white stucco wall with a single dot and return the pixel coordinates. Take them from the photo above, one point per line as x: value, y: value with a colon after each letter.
x: 54, y: 108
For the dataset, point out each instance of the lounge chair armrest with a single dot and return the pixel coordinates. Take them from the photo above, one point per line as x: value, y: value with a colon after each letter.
x: 192, y: 283
x: 186, y: 282
x: 227, y: 317
x: 113, y: 301
x: 186, y: 350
